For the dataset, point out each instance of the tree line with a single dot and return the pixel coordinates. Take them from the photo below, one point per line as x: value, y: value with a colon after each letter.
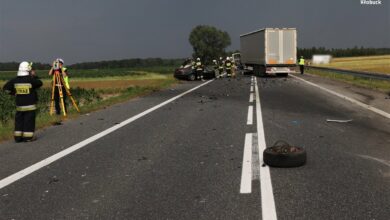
x: 347, y: 52
x: 107, y: 64
x: 152, y: 62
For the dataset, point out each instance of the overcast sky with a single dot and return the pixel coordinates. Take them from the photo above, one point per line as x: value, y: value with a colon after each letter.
x: 92, y: 30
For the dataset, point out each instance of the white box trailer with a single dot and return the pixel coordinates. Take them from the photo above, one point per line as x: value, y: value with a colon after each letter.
x: 270, y: 50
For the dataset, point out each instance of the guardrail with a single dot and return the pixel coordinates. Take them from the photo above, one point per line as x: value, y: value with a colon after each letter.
x: 379, y: 76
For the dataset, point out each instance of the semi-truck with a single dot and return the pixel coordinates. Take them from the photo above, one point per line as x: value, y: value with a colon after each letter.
x: 270, y: 51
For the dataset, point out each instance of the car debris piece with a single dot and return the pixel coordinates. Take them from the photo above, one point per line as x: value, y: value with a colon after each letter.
x: 338, y: 121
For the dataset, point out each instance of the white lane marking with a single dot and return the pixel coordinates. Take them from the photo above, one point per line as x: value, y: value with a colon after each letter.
x: 267, y: 195
x: 368, y: 107
x: 16, y: 176
x: 246, y: 175
x: 251, y: 98
x: 250, y: 115
x: 251, y: 88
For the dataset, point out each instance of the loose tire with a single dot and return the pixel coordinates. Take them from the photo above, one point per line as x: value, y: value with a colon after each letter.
x: 284, y: 156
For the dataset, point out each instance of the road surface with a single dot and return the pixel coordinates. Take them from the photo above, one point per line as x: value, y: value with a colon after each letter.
x: 192, y: 152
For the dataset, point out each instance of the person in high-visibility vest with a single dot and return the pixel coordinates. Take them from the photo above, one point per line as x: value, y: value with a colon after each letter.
x: 24, y: 87
x: 302, y: 64
x: 64, y: 72
x: 199, y: 69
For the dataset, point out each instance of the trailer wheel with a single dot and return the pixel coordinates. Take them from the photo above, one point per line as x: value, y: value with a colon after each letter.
x: 284, y: 155
x: 282, y: 74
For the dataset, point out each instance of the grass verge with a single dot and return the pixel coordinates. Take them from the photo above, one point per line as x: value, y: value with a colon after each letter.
x: 116, y: 95
x: 379, y: 85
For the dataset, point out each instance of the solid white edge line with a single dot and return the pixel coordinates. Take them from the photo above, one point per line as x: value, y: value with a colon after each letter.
x: 251, y: 97
x: 16, y: 176
x: 250, y: 115
x: 368, y: 107
x: 246, y: 175
x: 267, y: 195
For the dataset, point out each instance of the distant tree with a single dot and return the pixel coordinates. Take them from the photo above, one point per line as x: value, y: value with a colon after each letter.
x: 208, y: 42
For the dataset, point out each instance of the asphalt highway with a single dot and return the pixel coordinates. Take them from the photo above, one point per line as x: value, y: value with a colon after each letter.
x: 194, y: 152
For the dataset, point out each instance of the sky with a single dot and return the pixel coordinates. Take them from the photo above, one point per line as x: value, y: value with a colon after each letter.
x: 94, y: 30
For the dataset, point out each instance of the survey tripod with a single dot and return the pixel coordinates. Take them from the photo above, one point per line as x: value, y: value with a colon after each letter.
x: 58, y: 81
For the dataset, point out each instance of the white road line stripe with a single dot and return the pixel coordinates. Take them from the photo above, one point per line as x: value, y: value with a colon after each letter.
x: 267, y: 195
x: 251, y: 98
x: 14, y: 177
x: 250, y: 115
x: 251, y: 88
x: 246, y: 175
x: 368, y: 107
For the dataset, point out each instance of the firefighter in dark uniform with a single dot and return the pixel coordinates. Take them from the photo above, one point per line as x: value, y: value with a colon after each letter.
x: 199, y: 69
x: 228, y: 67
x: 58, y: 65
x: 24, y: 88
x: 220, y: 67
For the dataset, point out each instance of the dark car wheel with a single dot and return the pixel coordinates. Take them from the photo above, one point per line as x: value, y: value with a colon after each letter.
x: 284, y: 156
x: 191, y: 77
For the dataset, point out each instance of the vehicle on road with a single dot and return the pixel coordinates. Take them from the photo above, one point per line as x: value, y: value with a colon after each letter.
x: 270, y: 51
x: 186, y: 72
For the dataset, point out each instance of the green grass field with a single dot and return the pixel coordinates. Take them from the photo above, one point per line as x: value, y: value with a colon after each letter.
x: 93, y: 90
x: 377, y: 64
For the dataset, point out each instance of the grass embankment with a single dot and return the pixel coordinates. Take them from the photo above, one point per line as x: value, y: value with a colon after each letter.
x: 380, y: 85
x: 376, y: 64
x: 92, y: 89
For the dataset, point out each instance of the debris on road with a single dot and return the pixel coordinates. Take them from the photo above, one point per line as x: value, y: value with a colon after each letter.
x: 54, y: 179
x: 282, y: 154
x: 143, y: 158
x: 338, y: 121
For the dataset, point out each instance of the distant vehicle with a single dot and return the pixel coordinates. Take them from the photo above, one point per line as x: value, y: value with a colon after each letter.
x: 321, y: 59
x: 236, y: 58
x: 270, y: 51
x: 186, y: 72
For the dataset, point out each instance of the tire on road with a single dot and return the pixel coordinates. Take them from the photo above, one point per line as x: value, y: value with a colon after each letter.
x: 284, y: 156
x: 191, y: 77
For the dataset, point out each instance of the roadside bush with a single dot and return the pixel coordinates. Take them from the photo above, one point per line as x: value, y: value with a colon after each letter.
x: 82, y: 97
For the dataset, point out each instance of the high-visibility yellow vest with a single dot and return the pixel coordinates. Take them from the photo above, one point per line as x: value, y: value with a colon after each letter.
x: 301, y: 61
x: 66, y: 78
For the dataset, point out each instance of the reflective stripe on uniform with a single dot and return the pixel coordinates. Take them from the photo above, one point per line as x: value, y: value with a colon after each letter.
x: 22, y: 88
x: 28, y: 85
x: 26, y: 108
x: 28, y: 134
x: 17, y: 133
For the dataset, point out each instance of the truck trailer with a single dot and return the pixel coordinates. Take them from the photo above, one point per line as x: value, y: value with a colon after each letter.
x: 270, y: 51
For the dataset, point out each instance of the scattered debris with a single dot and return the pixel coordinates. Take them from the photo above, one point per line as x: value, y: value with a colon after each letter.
x: 295, y: 122
x: 100, y: 119
x: 54, y: 179
x: 383, y: 162
x: 143, y: 158
x: 338, y: 121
